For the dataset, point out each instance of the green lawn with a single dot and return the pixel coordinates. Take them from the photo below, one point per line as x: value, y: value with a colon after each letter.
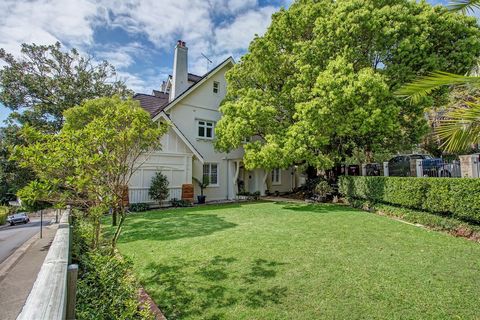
x: 294, y: 261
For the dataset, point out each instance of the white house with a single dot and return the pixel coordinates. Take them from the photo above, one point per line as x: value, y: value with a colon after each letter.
x: 190, y: 104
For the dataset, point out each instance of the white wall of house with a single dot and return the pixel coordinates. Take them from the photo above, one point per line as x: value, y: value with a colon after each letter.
x: 174, y: 161
x: 287, y: 181
x: 202, y: 105
x: 177, y: 159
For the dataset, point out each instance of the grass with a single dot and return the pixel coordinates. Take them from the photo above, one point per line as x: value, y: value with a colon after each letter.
x: 294, y: 261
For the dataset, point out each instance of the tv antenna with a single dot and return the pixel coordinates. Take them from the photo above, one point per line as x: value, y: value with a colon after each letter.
x: 209, y: 62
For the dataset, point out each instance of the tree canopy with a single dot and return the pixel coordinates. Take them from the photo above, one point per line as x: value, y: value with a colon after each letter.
x: 317, y: 87
x: 47, y: 80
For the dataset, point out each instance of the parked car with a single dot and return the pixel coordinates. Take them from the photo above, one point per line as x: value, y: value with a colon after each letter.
x: 17, y: 218
x: 399, y: 166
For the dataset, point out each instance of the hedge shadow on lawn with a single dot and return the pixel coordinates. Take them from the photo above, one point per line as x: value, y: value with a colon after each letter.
x: 317, y: 208
x: 201, y: 288
x: 164, y: 226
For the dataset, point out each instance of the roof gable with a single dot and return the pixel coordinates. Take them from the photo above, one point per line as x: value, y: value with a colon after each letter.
x: 195, y: 86
x: 165, y: 117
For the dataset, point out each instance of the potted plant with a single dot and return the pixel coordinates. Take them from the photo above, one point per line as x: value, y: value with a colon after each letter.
x: 202, y: 184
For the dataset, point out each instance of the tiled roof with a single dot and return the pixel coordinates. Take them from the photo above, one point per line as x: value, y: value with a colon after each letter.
x: 194, y: 77
x: 191, y: 77
x: 160, y: 94
x: 153, y: 104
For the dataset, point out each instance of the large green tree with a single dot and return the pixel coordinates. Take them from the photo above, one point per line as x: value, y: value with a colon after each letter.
x: 38, y: 87
x: 316, y: 87
x: 46, y: 80
x: 459, y: 127
x: 90, y: 161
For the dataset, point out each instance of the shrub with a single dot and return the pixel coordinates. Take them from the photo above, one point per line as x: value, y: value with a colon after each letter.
x: 4, y: 211
x: 323, y: 189
x: 445, y: 196
x: 139, y: 207
x: 106, y: 288
x: 176, y: 203
x: 159, y: 188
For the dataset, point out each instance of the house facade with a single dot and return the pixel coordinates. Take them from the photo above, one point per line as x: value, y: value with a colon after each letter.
x: 190, y: 104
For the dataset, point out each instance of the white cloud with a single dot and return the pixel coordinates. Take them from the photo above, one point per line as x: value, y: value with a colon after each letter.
x: 73, y: 23
x: 45, y: 22
x: 237, y: 35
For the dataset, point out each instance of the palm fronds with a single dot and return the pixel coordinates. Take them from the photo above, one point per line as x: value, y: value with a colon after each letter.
x: 423, y: 86
x: 461, y: 129
x: 464, y: 6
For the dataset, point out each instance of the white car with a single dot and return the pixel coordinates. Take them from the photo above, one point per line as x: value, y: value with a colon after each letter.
x: 20, y: 217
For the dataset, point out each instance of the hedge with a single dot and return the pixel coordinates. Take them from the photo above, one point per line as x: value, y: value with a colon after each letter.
x: 459, y: 197
x: 106, y: 288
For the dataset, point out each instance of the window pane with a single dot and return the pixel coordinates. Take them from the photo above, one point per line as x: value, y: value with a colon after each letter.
x: 209, y: 133
x: 206, y: 170
x: 201, y: 131
x: 213, y: 174
x: 209, y: 124
x: 202, y: 123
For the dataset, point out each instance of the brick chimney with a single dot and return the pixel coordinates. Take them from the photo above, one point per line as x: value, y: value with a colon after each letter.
x: 180, y: 70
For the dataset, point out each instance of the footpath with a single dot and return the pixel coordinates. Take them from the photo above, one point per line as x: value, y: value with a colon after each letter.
x: 19, y: 272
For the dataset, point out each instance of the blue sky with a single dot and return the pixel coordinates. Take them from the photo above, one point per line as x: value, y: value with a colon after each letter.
x: 138, y: 37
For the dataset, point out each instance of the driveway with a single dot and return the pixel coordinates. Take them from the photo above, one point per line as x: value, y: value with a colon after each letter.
x: 12, y: 237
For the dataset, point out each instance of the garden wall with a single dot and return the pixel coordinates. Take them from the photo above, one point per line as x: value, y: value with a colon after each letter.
x: 457, y: 197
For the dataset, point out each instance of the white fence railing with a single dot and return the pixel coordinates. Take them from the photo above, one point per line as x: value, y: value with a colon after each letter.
x: 48, y: 298
x: 140, y: 195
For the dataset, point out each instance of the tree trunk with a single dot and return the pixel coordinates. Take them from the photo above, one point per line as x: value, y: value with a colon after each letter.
x: 114, y: 217
x: 117, y: 231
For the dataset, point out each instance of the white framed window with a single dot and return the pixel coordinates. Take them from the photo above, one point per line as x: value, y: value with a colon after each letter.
x: 210, y: 170
x: 216, y: 86
x: 276, y: 176
x: 205, y: 129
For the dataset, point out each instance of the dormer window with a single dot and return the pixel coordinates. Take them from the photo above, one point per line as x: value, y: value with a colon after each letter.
x: 216, y: 86
x: 205, y: 129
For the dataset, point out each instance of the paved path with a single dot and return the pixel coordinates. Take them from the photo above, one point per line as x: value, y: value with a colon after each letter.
x: 18, y: 281
x: 12, y: 237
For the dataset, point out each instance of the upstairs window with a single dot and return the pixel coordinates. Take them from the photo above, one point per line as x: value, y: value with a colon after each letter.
x: 210, y: 171
x: 216, y: 86
x: 276, y: 177
x: 205, y: 129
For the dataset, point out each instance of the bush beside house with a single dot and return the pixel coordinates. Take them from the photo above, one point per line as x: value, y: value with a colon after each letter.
x: 452, y: 197
x: 3, y: 214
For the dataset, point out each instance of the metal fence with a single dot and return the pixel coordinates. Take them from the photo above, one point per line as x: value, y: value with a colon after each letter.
x: 440, y: 168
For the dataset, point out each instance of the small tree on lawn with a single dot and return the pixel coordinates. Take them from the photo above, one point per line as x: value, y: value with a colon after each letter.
x: 159, y: 188
x: 89, y: 163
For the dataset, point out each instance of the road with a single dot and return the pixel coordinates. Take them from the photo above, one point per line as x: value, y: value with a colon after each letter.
x: 12, y: 237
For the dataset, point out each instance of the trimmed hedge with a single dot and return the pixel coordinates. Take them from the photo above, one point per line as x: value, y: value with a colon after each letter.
x: 445, y: 196
x: 106, y: 288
